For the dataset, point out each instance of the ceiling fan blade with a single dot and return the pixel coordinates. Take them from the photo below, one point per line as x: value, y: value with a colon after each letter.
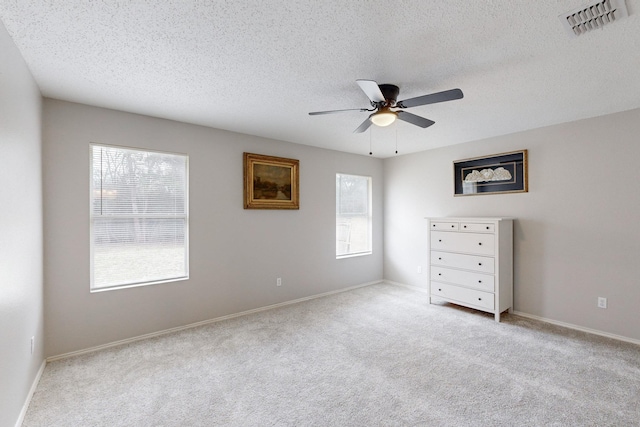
x: 317, y: 113
x: 414, y: 120
x: 447, y: 95
x: 371, y: 89
x: 364, y: 126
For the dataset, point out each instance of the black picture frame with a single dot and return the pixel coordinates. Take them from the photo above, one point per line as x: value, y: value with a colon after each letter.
x: 495, y: 174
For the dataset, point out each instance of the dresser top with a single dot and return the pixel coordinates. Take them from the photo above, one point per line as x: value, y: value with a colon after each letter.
x: 469, y: 218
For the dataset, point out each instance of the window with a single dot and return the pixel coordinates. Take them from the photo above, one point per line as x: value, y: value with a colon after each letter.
x: 139, y: 217
x: 353, y: 215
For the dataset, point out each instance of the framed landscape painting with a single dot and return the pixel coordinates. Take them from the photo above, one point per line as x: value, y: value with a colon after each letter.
x: 270, y: 182
x: 499, y: 173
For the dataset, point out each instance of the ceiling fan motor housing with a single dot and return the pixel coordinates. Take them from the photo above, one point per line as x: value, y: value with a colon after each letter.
x: 390, y: 93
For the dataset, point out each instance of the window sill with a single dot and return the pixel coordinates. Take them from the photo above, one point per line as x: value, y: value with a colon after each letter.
x: 353, y: 255
x: 137, y: 285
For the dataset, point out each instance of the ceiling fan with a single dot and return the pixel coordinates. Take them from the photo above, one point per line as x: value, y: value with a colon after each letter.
x: 383, y: 100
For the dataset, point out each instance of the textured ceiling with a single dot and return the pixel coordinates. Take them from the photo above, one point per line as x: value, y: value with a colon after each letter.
x: 258, y: 67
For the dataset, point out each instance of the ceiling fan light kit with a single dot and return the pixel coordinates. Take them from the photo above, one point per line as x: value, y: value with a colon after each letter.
x: 383, y: 98
x: 383, y: 118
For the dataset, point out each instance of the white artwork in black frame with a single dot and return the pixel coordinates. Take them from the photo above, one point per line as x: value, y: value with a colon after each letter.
x: 498, y: 173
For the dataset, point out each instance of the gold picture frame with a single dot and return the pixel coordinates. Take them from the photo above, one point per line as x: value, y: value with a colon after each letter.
x: 495, y: 174
x: 271, y: 182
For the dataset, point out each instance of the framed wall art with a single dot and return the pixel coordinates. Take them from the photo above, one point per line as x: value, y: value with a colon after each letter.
x: 270, y: 182
x: 499, y: 173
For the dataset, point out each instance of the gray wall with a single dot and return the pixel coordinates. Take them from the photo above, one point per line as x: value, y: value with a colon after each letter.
x: 235, y: 254
x: 576, y: 234
x: 20, y: 231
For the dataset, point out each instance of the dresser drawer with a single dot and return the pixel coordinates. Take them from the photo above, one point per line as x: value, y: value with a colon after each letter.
x: 466, y: 262
x: 475, y: 227
x: 470, y: 243
x: 463, y: 295
x: 483, y: 282
x: 444, y: 226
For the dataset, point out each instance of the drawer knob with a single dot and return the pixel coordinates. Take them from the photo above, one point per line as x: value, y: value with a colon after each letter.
x: 487, y: 228
x: 453, y: 226
x: 480, y: 244
x: 434, y: 225
x: 439, y: 274
x: 465, y: 226
x: 479, y: 299
x: 439, y: 240
x: 479, y: 263
x: 440, y: 258
x: 439, y: 289
x: 479, y: 281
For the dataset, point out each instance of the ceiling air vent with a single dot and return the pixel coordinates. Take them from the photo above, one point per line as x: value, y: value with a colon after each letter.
x: 593, y: 16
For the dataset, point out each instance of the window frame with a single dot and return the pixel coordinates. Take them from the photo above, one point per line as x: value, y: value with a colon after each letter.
x: 369, y: 250
x: 92, y: 218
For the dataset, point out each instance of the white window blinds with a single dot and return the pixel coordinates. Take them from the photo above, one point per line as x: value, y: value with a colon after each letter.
x: 353, y: 215
x: 139, y: 217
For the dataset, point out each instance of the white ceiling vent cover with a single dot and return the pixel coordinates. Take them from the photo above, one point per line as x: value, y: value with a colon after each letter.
x: 593, y: 16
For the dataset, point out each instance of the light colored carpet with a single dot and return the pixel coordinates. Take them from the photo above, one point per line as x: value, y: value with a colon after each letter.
x: 374, y: 356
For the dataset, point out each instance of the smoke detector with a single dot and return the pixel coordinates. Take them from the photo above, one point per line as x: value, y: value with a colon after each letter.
x: 593, y: 16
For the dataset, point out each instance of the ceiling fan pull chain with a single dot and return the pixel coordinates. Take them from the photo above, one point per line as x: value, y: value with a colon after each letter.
x: 370, y: 132
x: 396, y: 137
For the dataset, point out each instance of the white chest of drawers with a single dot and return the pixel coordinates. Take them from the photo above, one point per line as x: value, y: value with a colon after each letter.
x: 471, y: 262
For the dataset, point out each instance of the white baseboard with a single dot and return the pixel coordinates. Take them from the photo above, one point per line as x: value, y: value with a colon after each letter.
x: 542, y: 319
x: 32, y: 390
x: 412, y: 287
x: 204, y: 322
x: 577, y: 327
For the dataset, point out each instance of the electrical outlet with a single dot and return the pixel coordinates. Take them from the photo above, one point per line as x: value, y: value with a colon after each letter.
x: 33, y: 344
x: 419, y: 269
x: 279, y: 281
x: 602, y: 302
